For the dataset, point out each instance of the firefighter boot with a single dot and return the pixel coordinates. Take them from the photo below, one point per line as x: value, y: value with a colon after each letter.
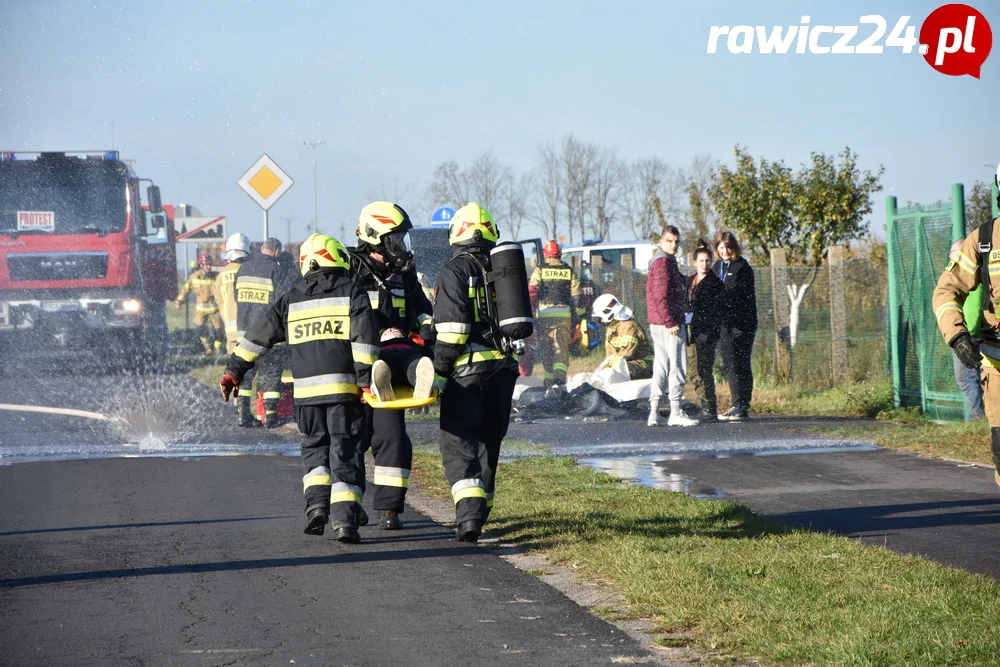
x: 469, y: 531
x: 389, y: 520
x: 245, y: 412
x: 995, y: 446
x: 347, y: 533
x: 316, y: 518
x: 271, y: 418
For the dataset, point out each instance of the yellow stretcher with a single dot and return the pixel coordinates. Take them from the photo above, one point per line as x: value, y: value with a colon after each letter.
x: 404, y: 400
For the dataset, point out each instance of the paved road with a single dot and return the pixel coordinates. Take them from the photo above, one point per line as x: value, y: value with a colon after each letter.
x: 189, y: 560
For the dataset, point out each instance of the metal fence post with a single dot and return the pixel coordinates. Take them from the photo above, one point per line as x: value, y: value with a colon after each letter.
x: 781, y: 303
x: 957, y: 212
x: 892, y: 260
x: 836, y: 255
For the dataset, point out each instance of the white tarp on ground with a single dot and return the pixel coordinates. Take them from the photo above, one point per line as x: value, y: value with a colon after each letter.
x: 612, y: 379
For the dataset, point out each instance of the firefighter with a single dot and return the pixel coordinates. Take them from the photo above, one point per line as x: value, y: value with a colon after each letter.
x: 555, y: 297
x: 206, y: 312
x: 332, y: 332
x: 477, y: 378
x: 383, y: 266
x: 978, y: 263
x: 237, y: 250
x: 624, y: 338
x: 259, y: 282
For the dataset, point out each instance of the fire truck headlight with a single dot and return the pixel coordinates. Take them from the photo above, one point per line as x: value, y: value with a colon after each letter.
x: 131, y: 305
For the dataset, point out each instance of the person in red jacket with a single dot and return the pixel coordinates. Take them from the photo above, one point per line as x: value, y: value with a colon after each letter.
x: 666, y: 303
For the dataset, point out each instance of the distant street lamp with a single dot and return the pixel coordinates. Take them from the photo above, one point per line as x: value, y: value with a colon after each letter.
x: 314, y: 144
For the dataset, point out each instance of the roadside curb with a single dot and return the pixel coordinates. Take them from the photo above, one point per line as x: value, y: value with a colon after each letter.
x: 586, y: 594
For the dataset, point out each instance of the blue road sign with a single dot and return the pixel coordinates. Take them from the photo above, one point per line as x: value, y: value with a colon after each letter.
x: 442, y: 217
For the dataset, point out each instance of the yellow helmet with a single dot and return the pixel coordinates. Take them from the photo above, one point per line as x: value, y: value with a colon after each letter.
x: 320, y: 251
x: 472, y: 224
x: 381, y: 218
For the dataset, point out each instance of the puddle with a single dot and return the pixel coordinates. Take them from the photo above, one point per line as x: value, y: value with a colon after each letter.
x: 647, y: 470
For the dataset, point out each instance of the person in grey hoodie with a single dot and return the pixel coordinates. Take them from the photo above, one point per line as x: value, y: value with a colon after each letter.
x: 666, y: 303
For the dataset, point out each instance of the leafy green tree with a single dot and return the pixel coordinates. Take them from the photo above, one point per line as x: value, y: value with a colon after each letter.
x: 978, y: 205
x: 768, y: 206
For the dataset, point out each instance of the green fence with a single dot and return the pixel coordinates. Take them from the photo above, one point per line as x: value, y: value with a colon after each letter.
x: 918, y: 241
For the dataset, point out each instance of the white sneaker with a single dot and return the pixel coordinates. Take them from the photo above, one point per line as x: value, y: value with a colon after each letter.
x: 681, y: 419
x: 425, y: 379
x: 656, y: 420
x: 382, y: 381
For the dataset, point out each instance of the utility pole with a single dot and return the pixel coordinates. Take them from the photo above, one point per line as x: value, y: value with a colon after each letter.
x: 288, y: 223
x: 314, y: 144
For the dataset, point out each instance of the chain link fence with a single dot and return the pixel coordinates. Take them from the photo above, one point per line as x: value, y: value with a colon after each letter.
x: 801, y: 349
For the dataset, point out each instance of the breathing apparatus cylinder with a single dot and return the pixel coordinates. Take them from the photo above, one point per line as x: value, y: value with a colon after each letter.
x: 510, y: 285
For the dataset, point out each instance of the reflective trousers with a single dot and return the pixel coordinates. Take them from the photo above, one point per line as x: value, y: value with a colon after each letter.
x: 210, y: 331
x: 553, y: 335
x: 475, y: 414
x: 331, y: 454
x: 267, y: 371
x: 991, y: 402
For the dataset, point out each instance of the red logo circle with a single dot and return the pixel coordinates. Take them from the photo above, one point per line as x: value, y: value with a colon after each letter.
x: 956, y: 40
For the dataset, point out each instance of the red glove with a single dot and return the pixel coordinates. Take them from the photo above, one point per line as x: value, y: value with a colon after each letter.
x: 229, y: 385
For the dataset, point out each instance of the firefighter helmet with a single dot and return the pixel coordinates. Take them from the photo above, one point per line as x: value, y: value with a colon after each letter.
x: 552, y: 250
x: 607, y: 307
x: 320, y: 251
x: 472, y: 224
x: 205, y: 260
x: 238, y: 246
x: 380, y: 219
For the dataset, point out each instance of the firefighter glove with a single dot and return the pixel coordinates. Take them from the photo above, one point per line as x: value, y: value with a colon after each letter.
x: 366, y: 393
x: 229, y: 385
x: 966, y: 350
x: 440, y: 382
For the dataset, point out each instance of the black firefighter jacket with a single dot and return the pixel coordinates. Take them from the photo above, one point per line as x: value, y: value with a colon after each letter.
x: 463, y: 345
x: 398, y: 299
x: 331, y: 330
x: 259, y: 282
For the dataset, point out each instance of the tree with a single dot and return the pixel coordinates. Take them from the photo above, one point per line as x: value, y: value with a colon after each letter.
x: 768, y: 206
x: 978, y: 205
x: 516, y: 197
x: 606, y: 190
x: 639, y: 190
x: 702, y: 216
x: 578, y: 166
x: 550, y: 191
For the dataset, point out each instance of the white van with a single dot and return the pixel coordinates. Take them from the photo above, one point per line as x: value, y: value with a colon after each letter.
x: 634, y: 255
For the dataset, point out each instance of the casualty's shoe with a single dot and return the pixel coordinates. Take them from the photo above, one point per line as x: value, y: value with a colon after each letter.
x: 425, y: 379
x: 362, y: 517
x: 681, y: 419
x: 469, y: 531
x: 316, y: 519
x: 347, y: 534
x: 655, y: 419
x: 390, y: 519
x: 382, y: 381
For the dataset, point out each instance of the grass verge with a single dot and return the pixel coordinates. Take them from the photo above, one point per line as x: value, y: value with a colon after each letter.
x: 964, y: 441
x: 714, y: 576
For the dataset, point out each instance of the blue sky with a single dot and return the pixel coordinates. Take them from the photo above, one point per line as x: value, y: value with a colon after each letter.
x: 195, y: 92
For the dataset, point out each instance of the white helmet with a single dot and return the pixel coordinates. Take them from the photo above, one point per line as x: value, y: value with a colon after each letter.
x: 607, y: 307
x: 237, y: 246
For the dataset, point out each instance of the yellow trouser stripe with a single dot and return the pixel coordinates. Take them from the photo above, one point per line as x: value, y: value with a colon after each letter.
x: 488, y: 355
x: 272, y: 394
x: 390, y: 480
x: 316, y: 477
x: 345, y: 497
x: 469, y: 492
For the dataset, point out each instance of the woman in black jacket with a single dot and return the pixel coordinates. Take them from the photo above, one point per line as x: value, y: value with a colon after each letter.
x: 705, y: 294
x: 739, y: 323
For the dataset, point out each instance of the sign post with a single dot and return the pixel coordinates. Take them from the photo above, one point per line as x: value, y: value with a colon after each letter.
x: 265, y: 182
x: 442, y: 217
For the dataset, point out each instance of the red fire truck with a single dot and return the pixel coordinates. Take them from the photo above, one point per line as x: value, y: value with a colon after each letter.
x: 85, y: 268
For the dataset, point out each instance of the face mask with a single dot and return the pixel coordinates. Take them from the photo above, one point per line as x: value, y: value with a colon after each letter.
x: 397, y: 252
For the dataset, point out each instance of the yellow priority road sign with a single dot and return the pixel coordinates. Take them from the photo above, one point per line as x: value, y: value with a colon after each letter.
x: 265, y: 182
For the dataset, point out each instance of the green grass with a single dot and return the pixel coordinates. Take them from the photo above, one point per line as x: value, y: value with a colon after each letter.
x: 855, y: 399
x: 964, y: 441
x: 714, y: 576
